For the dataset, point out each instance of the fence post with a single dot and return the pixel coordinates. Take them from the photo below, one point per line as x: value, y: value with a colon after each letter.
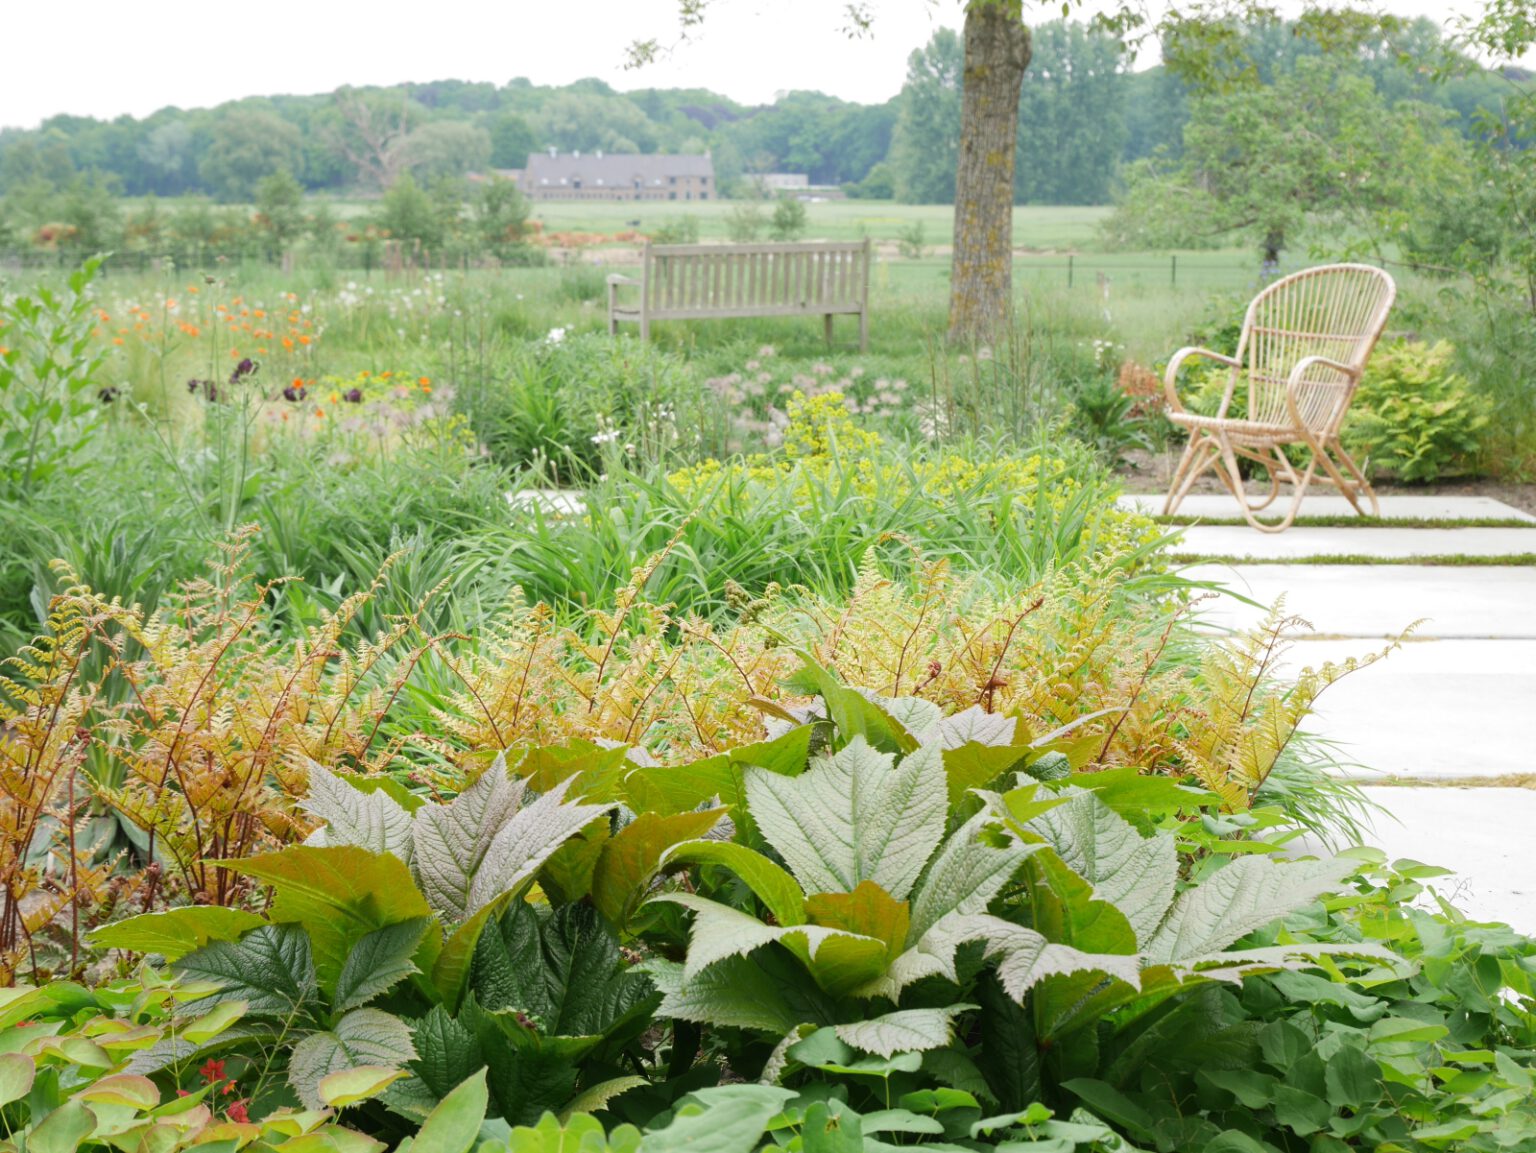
x: 1069, y: 270
x: 1173, y: 275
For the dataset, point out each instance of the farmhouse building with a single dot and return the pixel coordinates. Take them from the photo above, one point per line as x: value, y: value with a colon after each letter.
x: 617, y: 176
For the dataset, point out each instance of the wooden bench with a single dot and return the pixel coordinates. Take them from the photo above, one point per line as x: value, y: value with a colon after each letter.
x: 705, y: 281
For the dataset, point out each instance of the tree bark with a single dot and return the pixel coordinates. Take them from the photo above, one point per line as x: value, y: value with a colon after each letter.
x: 997, y: 49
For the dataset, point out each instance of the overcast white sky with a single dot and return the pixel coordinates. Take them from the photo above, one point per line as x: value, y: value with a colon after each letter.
x: 104, y: 59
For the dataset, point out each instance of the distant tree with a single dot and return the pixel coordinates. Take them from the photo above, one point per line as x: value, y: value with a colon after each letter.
x: 369, y: 129
x: 447, y: 148
x: 745, y: 223
x: 499, y: 213
x: 168, y: 159
x: 788, y: 220
x: 280, y: 209
x: 511, y: 141
x: 925, y: 146
x: 878, y: 184
x: 1319, y: 147
x: 246, y: 146
x: 1071, y: 124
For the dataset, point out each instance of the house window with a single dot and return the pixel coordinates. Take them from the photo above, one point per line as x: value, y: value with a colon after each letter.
x: 671, y: 196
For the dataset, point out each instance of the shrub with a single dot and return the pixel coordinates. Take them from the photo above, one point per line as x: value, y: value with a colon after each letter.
x: 678, y: 230
x: 1413, y: 416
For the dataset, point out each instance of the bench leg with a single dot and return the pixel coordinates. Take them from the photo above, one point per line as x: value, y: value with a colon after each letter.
x: 827, y: 323
x: 863, y: 331
x: 645, y: 326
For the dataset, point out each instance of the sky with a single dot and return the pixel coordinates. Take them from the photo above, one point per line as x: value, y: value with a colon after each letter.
x: 106, y: 59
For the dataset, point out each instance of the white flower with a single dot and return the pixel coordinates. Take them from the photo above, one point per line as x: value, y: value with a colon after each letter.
x: 605, y: 437
x: 556, y: 335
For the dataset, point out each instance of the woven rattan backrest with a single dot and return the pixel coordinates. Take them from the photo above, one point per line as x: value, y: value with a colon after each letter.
x: 1337, y: 311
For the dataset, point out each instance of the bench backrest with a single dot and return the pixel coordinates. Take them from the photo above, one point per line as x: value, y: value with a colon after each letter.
x: 714, y: 277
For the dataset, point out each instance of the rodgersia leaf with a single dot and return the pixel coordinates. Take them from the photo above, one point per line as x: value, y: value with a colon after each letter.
x: 271, y: 969
x: 362, y: 1037
x: 852, y: 817
x: 977, y: 726
x: 374, y: 821
x: 965, y: 876
x: 453, y: 839
x: 378, y: 962
x: 1243, y: 896
x: 1136, y: 874
x: 525, y: 842
x: 904, y: 1031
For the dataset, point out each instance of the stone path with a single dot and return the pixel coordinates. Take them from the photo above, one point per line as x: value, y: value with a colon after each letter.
x: 1442, y: 733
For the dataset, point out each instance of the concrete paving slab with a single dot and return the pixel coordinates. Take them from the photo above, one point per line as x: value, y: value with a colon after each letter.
x: 1220, y: 506
x: 1433, y: 710
x: 1382, y: 543
x: 1380, y: 600
x: 1484, y: 834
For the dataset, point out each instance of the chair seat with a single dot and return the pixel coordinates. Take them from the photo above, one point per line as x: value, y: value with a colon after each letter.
x: 1245, y: 432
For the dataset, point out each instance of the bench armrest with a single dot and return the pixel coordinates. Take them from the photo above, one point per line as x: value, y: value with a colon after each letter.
x: 1170, y: 376
x: 614, y: 280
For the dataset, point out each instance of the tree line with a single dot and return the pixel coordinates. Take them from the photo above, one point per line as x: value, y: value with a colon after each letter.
x: 1085, y: 118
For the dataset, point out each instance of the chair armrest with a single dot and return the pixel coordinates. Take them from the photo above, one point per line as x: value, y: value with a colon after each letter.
x: 1294, y: 382
x: 1170, y: 376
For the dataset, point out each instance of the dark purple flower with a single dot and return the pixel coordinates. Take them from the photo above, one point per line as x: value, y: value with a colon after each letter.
x: 108, y: 394
x: 209, y: 390
x: 295, y: 393
x: 353, y: 396
x: 244, y: 368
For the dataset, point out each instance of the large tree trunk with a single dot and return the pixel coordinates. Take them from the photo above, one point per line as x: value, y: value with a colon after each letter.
x: 981, y: 282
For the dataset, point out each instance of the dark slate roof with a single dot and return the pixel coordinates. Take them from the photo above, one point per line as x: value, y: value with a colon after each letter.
x: 612, y: 169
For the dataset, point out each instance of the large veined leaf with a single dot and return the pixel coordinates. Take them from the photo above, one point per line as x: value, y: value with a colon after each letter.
x: 977, y: 726
x: 904, y: 1031
x: 965, y: 876
x: 775, y: 888
x: 378, y: 962
x: 629, y: 861
x: 270, y: 969
x: 562, y: 969
x: 1136, y: 874
x: 339, y: 895
x: 370, y: 820
x: 451, y: 840
x: 525, y: 842
x: 1245, y: 895
x: 854, y: 817
x: 767, y: 993
x: 720, y: 932
x: 176, y: 932
x: 361, y: 1037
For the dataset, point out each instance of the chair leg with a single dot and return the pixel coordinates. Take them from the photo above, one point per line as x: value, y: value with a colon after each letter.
x: 1298, y: 483
x: 1196, y: 459
x: 1351, y: 491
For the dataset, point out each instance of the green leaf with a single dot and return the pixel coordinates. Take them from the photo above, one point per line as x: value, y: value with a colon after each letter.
x: 598, y: 1096
x: 16, y: 1075
x: 454, y: 1125
x: 855, y: 715
x: 176, y: 932
x: 767, y: 993
x: 371, y: 819
x: 964, y: 877
x: 452, y: 840
x: 632, y: 857
x: 360, y: 1083
x: 125, y: 1089
x: 853, y: 817
x: 904, y: 1031
x: 769, y: 883
x: 379, y: 961
x: 1353, y: 1079
x: 270, y: 969
x: 1235, y: 1141
x: 1245, y: 895
x: 1301, y: 1111
x: 213, y: 1022
x: 1254, y: 1090
x: 339, y: 895
x: 1136, y: 874
x: 1107, y: 1101
x: 361, y: 1037
x: 562, y: 968
x: 683, y: 788
x: 729, y: 1119
x: 63, y: 1130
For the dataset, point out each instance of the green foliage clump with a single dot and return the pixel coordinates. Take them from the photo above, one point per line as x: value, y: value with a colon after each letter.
x: 1414, y: 416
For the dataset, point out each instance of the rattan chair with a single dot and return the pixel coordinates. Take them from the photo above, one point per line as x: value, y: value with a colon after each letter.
x: 1304, y: 343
